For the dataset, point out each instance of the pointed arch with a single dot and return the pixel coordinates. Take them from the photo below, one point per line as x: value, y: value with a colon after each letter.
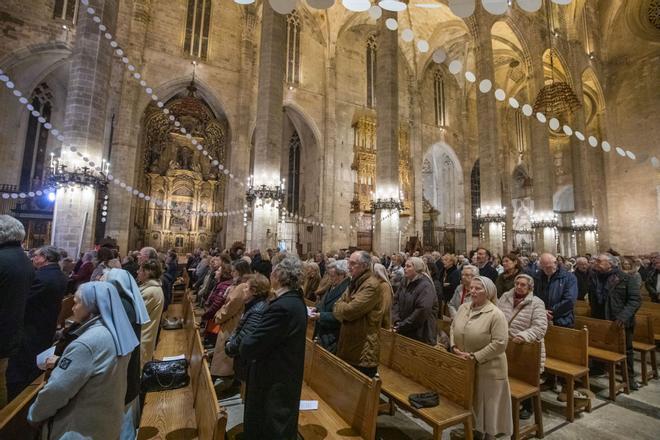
x: 442, y: 184
x: 593, y: 96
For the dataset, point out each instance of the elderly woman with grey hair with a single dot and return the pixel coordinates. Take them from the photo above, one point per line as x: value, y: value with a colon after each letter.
x: 275, y: 353
x: 462, y: 292
x: 326, y: 330
x: 16, y: 275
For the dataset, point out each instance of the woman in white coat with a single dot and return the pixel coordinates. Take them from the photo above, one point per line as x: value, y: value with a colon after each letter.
x: 84, y: 396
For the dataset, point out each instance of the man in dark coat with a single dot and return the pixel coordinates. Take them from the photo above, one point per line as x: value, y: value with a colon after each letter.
x: 652, y: 283
x: 41, y: 311
x: 614, y: 295
x: 327, y: 327
x: 275, y: 353
x: 16, y: 275
x: 558, y: 290
x: 582, y: 275
x: 486, y: 268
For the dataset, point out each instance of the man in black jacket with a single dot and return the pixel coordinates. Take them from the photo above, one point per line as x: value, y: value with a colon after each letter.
x: 41, y: 311
x: 614, y: 295
x: 276, y: 355
x: 486, y: 268
x: 16, y: 274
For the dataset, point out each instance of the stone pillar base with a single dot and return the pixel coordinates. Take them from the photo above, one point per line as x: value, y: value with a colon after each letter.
x: 545, y: 240
x: 74, y: 218
x: 386, y: 233
x: 264, y: 228
x: 586, y: 242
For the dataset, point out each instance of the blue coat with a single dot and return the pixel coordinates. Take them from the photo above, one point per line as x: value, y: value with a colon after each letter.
x: 327, y: 327
x: 559, y: 294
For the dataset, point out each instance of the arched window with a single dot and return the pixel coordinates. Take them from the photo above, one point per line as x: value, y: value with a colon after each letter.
x: 65, y: 9
x: 293, y: 48
x: 198, y: 18
x: 521, y: 140
x: 475, y: 193
x: 371, y: 71
x: 293, y: 180
x: 439, y: 99
x: 36, y: 141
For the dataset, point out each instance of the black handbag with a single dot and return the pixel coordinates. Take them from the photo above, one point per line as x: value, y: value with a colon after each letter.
x: 164, y: 375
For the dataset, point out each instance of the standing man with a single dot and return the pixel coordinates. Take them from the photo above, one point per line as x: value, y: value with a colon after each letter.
x: 16, y: 275
x: 582, y: 275
x: 614, y: 295
x: 486, y: 268
x: 558, y: 290
x: 42, y: 308
x: 652, y: 282
x: 275, y: 353
x: 360, y: 314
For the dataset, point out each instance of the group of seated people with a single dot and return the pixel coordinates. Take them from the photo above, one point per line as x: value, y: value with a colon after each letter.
x: 255, y: 321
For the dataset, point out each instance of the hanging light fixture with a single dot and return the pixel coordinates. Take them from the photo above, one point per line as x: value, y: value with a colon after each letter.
x: 556, y: 98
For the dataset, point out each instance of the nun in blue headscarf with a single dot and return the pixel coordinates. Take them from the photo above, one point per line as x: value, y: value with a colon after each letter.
x: 86, y: 390
x: 131, y: 298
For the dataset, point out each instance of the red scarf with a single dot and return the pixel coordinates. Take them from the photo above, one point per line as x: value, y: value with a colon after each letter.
x: 465, y: 291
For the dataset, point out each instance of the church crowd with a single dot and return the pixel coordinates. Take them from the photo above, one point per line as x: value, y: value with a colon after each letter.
x: 256, y: 308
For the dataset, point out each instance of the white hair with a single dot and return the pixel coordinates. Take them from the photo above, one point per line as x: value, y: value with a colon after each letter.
x: 11, y: 229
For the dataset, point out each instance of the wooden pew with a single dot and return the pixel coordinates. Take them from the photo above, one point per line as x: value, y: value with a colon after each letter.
x: 408, y: 367
x: 653, y: 309
x: 210, y: 417
x: 197, y: 359
x: 644, y: 343
x: 348, y: 400
x: 582, y: 308
x: 66, y: 310
x: 567, y: 356
x: 524, y: 362
x: 607, y: 344
x: 13, y: 417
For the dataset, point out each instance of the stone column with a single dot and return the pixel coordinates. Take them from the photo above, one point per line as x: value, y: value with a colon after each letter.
x: 268, y: 136
x: 240, y: 152
x: 125, y: 148
x: 489, y: 139
x: 84, y: 125
x: 386, y: 233
x: 542, y: 168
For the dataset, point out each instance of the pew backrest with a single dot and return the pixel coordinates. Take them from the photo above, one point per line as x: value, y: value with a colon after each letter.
x: 66, y: 310
x: 443, y: 325
x: 524, y: 361
x: 13, y: 417
x: 567, y: 344
x: 196, y: 363
x: 437, y: 370
x: 653, y: 309
x: 644, y: 329
x: 603, y: 334
x: 582, y: 308
x: 211, y: 419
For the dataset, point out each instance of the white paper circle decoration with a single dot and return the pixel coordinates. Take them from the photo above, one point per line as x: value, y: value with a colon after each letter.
x: 527, y: 110
x: 530, y: 5
x: 455, y: 67
x: 562, y: 2
x: 554, y: 124
x: 655, y: 162
x: 407, y: 35
x: 392, y: 5
x: 594, y: 142
x: 495, y: 7
x: 541, y: 117
x: 375, y: 12
x: 439, y: 56
x: 283, y: 6
x: 580, y: 136
x: 391, y: 24
x: 356, y: 5
x: 319, y: 4
x: 485, y: 86
x: 244, y: 2
x: 470, y: 76
x: 568, y: 130
x: 620, y: 151
x: 513, y: 102
x: 423, y: 46
x: 462, y: 8
x: 630, y: 154
x: 500, y: 95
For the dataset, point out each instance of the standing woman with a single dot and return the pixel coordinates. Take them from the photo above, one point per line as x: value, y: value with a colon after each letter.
x: 480, y: 332
x: 415, y: 307
x: 311, y: 280
x: 84, y: 397
x: 327, y: 327
x: 512, y: 268
x: 386, y: 295
x: 152, y: 293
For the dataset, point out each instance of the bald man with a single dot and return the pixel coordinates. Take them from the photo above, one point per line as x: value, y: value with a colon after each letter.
x: 558, y: 290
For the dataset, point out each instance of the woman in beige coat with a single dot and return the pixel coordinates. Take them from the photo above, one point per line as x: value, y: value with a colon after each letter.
x: 480, y: 332
x: 148, y: 277
x: 527, y: 320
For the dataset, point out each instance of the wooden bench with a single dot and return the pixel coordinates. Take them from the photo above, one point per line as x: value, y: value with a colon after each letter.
x: 347, y: 399
x: 66, y: 310
x: 13, y: 417
x: 653, y: 309
x: 524, y: 362
x: 582, y: 308
x: 210, y: 417
x: 409, y: 367
x: 567, y: 356
x: 607, y: 344
x: 644, y: 343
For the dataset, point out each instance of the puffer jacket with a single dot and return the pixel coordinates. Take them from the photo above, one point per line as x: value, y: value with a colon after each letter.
x: 530, y: 321
x: 415, y: 310
x: 359, y: 311
x: 251, y: 318
x: 622, y: 298
x: 559, y: 294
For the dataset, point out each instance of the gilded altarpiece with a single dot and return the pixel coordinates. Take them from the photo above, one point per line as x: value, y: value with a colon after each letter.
x: 176, y: 171
x: 364, y: 166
